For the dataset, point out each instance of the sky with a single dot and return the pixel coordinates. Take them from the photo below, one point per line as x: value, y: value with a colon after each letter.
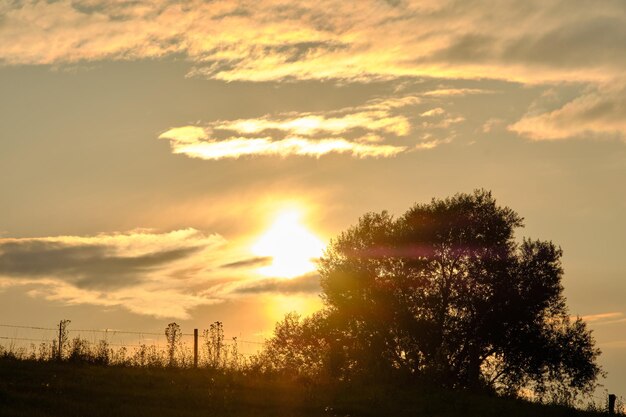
x: 157, y: 158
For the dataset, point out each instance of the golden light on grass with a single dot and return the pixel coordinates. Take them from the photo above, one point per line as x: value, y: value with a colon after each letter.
x: 292, y: 247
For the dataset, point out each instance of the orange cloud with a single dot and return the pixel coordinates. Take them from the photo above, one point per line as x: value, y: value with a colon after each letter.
x: 357, y: 131
x: 143, y: 271
x: 159, y: 274
x: 547, y: 40
x: 238, y: 147
x: 311, y: 124
x: 603, y: 317
x: 450, y: 92
x: 596, y: 114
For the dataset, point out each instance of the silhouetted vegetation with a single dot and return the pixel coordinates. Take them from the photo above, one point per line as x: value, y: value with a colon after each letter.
x: 436, y: 312
x: 214, y: 345
x: 173, y: 335
x: 443, y: 294
x: 217, y: 354
x: 37, y: 389
x: 98, y: 379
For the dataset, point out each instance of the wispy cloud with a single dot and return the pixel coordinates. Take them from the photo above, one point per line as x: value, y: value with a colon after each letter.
x: 596, y: 114
x: 603, y: 317
x: 256, y: 261
x: 356, y: 131
x: 311, y: 124
x: 614, y: 344
x: 451, y: 92
x: 430, y: 143
x: 433, y: 112
x: 238, y: 147
x: 493, y: 124
x: 309, y: 283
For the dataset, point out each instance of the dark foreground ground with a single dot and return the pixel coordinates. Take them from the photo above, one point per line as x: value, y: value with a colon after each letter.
x: 60, y: 389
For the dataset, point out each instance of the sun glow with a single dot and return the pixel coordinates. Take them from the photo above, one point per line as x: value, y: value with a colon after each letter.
x: 303, y: 304
x: 292, y: 247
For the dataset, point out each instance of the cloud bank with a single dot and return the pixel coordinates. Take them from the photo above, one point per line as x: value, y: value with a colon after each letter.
x: 143, y: 271
x: 160, y: 274
x: 530, y: 41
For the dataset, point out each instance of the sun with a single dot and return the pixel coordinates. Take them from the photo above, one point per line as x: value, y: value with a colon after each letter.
x: 292, y: 247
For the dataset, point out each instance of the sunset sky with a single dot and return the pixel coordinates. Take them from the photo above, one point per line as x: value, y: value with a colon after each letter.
x: 186, y: 161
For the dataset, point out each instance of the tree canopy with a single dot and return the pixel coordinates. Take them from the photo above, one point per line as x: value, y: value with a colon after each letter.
x: 446, y: 293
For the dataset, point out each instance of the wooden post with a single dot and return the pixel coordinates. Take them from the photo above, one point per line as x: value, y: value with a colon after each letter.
x: 61, y: 340
x: 612, y: 399
x: 195, y: 348
x: 62, y: 336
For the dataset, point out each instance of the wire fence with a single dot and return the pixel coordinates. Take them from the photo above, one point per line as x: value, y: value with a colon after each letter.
x: 26, y: 337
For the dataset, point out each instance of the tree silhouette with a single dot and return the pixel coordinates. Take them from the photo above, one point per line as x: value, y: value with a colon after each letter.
x: 445, y: 292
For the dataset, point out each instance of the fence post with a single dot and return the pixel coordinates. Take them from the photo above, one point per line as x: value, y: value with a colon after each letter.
x: 612, y: 398
x: 61, y: 340
x: 195, y: 348
x: 62, y: 336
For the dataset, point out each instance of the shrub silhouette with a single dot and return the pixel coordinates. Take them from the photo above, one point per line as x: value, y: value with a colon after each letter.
x: 214, y: 344
x: 79, y: 351
x: 150, y: 356
x: 173, y: 335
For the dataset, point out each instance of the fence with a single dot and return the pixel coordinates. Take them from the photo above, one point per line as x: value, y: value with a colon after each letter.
x: 57, y: 339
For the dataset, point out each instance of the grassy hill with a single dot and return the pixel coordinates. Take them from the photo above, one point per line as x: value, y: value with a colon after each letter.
x: 29, y: 388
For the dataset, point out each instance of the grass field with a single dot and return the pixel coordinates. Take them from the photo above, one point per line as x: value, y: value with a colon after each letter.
x: 29, y: 388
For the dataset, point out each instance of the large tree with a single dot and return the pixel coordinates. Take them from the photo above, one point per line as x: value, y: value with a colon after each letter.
x: 446, y: 292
